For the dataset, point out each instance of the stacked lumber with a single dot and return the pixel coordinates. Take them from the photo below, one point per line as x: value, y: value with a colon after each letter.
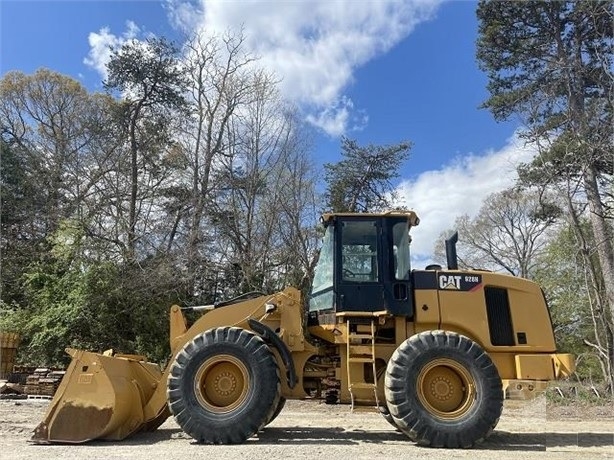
x: 43, y: 382
x: 20, y: 374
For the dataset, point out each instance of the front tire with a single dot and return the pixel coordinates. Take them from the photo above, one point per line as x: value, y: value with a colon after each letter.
x: 280, y: 405
x: 223, y: 386
x: 443, y: 390
x: 388, y: 417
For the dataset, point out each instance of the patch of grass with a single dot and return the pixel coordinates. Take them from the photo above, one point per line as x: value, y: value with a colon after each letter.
x: 571, y: 393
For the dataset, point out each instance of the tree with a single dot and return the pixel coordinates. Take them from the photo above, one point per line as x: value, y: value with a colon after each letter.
x: 18, y: 234
x: 62, y: 179
x: 51, y: 166
x: 256, y: 197
x: 111, y: 213
x: 152, y: 83
x: 509, y: 233
x: 361, y: 181
x: 564, y: 275
x: 551, y: 63
x: 48, y: 116
x: 298, y: 214
x: 221, y: 82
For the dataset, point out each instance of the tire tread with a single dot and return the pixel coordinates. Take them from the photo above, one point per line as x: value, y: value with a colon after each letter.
x: 238, y: 425
x: 413, y: 419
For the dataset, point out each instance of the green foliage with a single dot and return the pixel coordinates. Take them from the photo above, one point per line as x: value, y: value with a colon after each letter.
x: 148, y: 72
x: 525, y: 46
x: 361, y: 181
x: 72, y: 302
x: 56, y: 292
x: 551, y: 63
x: 9, y: 321
x: 20, y: 200
x: 562, y: 275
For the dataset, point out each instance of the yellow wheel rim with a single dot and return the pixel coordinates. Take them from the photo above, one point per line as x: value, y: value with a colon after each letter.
x: 221, y: 383
x: 446, y: 389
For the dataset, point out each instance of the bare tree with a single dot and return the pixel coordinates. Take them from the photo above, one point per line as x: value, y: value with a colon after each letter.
x: 509, y: 233
x: 220, y: 83
x: 265, y: 185
x: 51, y: 118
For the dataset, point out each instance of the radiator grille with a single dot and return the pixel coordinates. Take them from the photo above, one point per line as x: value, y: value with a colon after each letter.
x: 499, y: 317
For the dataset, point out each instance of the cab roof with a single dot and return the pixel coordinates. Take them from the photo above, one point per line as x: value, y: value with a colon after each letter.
x: 411, y: 216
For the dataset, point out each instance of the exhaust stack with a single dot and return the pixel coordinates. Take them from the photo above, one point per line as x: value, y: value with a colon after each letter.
x: 451, y: 252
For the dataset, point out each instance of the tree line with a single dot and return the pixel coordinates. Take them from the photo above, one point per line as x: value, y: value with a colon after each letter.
x: 190, y: 180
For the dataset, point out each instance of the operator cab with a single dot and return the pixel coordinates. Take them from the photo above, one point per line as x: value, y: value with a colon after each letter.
x: 364, y: 264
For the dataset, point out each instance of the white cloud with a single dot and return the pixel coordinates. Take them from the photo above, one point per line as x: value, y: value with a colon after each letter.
x: 339, y: 117
x: 184, y: 14
x: 458, y: 188
x: 315, y: 46
x: 101, y: 43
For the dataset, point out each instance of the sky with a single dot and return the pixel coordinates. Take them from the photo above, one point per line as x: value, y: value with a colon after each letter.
x: 377, y: 71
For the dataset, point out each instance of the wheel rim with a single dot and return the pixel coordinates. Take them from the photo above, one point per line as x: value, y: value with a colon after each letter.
x: 446, y: 389
x: 221, y: 383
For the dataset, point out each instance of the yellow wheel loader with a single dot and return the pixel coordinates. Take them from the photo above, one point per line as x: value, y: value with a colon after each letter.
x: 435, y: 350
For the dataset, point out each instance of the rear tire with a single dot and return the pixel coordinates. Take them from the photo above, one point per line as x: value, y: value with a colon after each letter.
x: 223, y: 386
x: 443, y: 390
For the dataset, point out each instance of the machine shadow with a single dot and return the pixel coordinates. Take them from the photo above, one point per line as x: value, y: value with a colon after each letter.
x: 497, y: 441
x: 503, y: 440
x: 316, y: 435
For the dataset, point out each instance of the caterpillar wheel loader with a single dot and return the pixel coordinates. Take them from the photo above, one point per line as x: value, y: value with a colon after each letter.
x: 436, y: 350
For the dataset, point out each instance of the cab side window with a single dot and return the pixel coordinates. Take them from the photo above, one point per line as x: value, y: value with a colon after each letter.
x: 400, y: 250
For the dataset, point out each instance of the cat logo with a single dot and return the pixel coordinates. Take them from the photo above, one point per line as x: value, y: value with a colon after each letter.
x: 449, y: 282
x: 467, y: 282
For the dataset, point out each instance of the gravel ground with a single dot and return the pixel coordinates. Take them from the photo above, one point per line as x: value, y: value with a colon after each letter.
x: 308, y: 429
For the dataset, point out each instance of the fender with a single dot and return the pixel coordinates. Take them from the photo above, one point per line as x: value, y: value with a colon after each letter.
x: 270, y: 337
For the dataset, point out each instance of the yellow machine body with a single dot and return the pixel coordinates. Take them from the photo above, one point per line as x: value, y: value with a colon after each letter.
x: 525, y: 369
x: 338, y: 353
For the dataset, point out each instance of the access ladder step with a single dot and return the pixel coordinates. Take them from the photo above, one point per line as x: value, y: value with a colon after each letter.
x: 360, y: 359
x: 360, y: 336
x: 361, y: 350
x: 362, y: 386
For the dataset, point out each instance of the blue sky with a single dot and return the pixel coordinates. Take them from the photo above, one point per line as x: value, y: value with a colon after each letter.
x: 379, y: 72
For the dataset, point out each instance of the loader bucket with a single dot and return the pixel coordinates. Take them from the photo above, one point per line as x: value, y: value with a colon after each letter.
x: 100, y: 397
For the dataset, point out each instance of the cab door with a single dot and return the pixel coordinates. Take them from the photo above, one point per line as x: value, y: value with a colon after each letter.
x: 359, y: 278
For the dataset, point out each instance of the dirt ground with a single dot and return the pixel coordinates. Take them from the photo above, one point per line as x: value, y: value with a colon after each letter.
x: 308, y: 429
